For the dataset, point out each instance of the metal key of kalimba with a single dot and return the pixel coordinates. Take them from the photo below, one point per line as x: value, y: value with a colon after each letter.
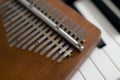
x: 48, y: 28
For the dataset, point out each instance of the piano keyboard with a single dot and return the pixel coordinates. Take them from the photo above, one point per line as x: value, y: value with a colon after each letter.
x: 102, y: 64
x: 25, y: 30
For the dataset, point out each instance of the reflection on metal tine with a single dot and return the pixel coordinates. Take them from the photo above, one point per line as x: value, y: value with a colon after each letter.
x: 43, y: 44
x: 50, y: 40
x: 51, y: 45
x: 55, y: 49
x: 65, y: 55
x: 60, y: 52
x: 34, y: 38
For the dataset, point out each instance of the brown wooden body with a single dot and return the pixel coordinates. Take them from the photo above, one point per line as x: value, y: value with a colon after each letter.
x: 18, y: 64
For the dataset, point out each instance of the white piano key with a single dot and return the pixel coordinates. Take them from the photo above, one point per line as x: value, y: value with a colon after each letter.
x: 105, y: 65
x: 33, y: 39
x: 65, y: 55
x: 77, y: 76
x: 112, y: 49
x: 50, y: 40
x: 22, y: 30
x: 63, y: 49
x: 55, y: 49
x: 90, y: 72
x: 43, y: 44
x: 50, y: 45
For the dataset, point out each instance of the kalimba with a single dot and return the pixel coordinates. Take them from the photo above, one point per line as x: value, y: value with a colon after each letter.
x: 43, y: 40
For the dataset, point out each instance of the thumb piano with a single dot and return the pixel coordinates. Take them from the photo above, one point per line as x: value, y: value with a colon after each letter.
x: 43, y: 40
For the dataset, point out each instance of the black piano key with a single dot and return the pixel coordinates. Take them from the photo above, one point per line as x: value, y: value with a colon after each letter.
x: 101, y: 44
x: 109, y: 14
x: 116, y: 2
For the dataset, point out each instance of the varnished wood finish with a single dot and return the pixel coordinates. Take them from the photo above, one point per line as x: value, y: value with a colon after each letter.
x: 18, y: 64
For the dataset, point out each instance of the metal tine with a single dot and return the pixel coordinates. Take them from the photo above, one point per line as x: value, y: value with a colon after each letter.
x: 27, y: 25
x: 22, y: 22
x: 71, y: 26
x: 40, y: 40
x: 23, y: 35
x: 18, y: 20
x: 5, y: 5
x: 11, y: 10
x: 65, y: 55
x: 12, y: 19
x: 55, y: 49
x: 35, y: 38
x: 66, y: 24
x: 43, y: 8
x: 83, y: 34
x: 44, y: 43
x: 14, y: 15
x: 50, y: 40
x: 48, y: 10
x: 50, y: 45
x: 31, y: 35
x: 57, y: 16
x: 64, y: 49
x: 41, y: 2
x: 74, y: 31
x: 61, y: 21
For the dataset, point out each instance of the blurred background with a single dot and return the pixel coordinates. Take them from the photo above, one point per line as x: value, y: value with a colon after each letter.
x: 104, y: 62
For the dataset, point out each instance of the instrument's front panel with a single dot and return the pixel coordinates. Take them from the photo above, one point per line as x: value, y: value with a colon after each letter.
x: 41, y: 40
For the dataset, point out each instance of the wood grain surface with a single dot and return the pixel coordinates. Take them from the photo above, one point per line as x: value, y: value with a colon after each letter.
x: 18, y: 64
